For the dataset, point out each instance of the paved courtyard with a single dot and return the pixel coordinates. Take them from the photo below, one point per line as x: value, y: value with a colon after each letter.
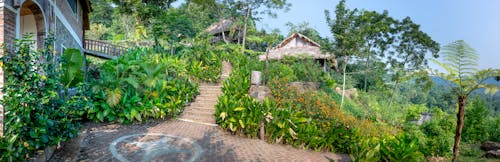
x: 185, y: 141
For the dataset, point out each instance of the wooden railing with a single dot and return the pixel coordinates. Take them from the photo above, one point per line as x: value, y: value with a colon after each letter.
x: 103, y: 49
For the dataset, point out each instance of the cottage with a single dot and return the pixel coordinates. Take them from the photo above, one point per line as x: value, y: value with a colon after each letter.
x: 298, y: 45
x: 66, y: 19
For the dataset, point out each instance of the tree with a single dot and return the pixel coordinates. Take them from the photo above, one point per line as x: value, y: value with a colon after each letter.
x: 412, y: 45
x: 144, y: 12
x: 475, y: 121
x: 251, y: 8
x: 376, y: 31
x: 460, y: 61
x: 304, y: 29
x: 101, y: 10
x: 347, y: 40
x: 171, y: 26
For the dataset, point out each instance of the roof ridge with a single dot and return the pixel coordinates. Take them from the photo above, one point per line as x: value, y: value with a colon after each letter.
x: 296, y: 34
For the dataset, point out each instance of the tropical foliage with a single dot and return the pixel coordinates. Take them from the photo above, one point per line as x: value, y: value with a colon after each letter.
x: 139, y: 85
x: 461, y: 63
x: 387, y: 107
x: 39, y: 111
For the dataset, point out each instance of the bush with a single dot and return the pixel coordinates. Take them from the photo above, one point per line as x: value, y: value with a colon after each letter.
x: 72, y: 73
x: 400, y: 148
x: 203, y: 61
x: 141, y: 85
x: 493, y: 128
x: 302, y: 119
x: 38, y: 110
x: 475, y: 128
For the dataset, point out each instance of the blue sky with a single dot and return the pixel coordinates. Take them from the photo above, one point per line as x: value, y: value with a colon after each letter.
x: 476, y: 22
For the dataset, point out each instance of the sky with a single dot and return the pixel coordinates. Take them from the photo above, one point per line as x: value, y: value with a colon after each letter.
x: 476, y: 22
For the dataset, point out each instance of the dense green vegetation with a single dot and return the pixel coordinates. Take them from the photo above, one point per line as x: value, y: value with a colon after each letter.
x: 140, y: 85
x: 382, y: 63
x: 39, y: 112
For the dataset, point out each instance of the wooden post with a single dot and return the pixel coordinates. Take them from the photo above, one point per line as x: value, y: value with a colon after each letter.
x: 262, y: 131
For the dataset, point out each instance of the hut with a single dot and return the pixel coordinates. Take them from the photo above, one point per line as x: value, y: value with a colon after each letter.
x: 224, y: 31
x: 298, y: 45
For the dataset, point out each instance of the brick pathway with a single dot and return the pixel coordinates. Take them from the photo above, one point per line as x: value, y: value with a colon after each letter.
x: 194, y: 136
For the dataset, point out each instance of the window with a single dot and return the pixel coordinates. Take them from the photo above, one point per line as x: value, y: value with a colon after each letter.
x: 74, y: 5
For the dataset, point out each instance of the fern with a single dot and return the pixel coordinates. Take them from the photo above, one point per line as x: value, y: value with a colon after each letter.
x: 461, y: 62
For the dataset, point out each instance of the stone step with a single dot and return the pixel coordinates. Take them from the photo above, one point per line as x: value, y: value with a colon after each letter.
x: 213, y: 95
x: 210, y: 88
x: 210, y: 92
x: 199, y: 113
x: 204, y: 119
x: 203, y: 105
x: 200, y: 108
x: 209, y: 95
x: 206, y: 99
x: 210, y: 85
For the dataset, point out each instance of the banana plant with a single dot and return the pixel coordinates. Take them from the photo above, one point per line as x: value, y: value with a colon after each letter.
x: 72, y: 67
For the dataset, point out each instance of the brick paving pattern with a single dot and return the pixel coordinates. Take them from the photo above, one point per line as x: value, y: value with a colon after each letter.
x: 195, y: 124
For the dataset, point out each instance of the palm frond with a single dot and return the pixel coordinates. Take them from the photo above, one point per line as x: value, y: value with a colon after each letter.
x: 460, y: 57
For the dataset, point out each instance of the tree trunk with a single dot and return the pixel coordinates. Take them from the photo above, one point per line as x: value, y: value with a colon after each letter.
x: 266, y: 74
x: 172, y: 48
x: 393, y: 93
x: 343, y: 82
x: 157, y: 44
x: 262, y: 131
x: 396, y: 85
x: 247, y: 15
x: 460, y: 124
x: 367, y: 67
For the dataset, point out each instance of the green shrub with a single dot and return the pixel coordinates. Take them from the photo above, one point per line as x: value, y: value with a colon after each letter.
x: 38, y: 110
x: 400, y: 148
x: 72, y: 73
x: 307, y: 69
x: 367, y: 149
x: 141, y: 85
x: 286, y: 120
x: 475, y: 128
x: 493, y: 128
x: 279, y: 70
x: 439, y: 133
x: 203, y: 61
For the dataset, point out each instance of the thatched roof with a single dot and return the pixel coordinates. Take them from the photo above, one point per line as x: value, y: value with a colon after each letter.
x: 296, y: 45
x: 219, y: 27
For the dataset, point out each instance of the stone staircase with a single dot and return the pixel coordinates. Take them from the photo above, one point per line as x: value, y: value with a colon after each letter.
x: 202, y: 110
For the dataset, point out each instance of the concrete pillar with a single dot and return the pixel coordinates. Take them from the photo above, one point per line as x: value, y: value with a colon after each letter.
x: 256, y: 78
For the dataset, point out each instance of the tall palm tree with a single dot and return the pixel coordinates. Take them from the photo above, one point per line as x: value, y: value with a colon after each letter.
x: 461, y: 63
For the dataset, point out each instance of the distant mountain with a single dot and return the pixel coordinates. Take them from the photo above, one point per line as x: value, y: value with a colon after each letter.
x: 438, y: 81
x: 492, y: 101
x: 492, y: 81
